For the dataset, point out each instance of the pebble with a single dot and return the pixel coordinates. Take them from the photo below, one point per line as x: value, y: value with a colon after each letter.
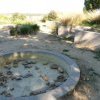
x: 31, y: 62
x: 7, y: 67
x: 36, y: 68
x: 35, y: 93
x: 5, y: 93
x: 60, y: 70
x: 45, y: 63
x: 8, y: 94
x: 45, y: 78
x: 9, y: 73
x: 54, y: 66
x: 15, y: 65
x: 27, y: 66
x: 52, y: 83
x: 11, y: 89
x: 18, y: 78
x: 28, y: 75
x: 42, y: 90
x: 60, y: 78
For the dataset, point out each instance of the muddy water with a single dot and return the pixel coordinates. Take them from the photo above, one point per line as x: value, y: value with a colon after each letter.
x: 30, y: 74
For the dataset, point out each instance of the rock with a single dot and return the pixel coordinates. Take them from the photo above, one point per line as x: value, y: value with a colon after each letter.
x: 52, y: 83
x: 28, y: 66
x: 60, y: 78
x: 11, y: 89
x: 45, y: 63
x: 18, y: 78
x: 36, y: 68
x: 54, y: 66
x: 45, y: 78
x: 28, y: 75
x: 57, y: 84
x: 7, y: 67
x: 31, y: 62
x: 9, y: 73
x: 15, y: 65
x: 87, y: 39
x: 42, y: 90
x: 35, y: 93
x: 60, y: 70
x: 7, y: 94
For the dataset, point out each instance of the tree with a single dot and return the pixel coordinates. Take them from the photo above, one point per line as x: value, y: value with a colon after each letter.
x: 92, y: 4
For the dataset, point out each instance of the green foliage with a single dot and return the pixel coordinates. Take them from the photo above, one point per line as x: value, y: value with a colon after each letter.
x: 92, y: 4
x: 24, y: 29
x: 13, y: 31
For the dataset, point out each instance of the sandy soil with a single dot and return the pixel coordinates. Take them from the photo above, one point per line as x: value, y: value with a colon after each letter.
x: 88, y: 87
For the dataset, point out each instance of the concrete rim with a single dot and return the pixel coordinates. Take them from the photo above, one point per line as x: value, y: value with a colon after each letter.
x: 64, y: 88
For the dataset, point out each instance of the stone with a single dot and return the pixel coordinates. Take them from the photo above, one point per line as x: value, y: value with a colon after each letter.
x: 28, y: 75
x: 36, y: 68
x: 31, y: 62
x: 87, y: 39
x: 28, y: 66
x: 45, y: 63
x: 11, y: 89
x: 35, y: 93
x: 54, y: 66
x: 15, y: 65
x: 7, y: 67
x: 45, y: 78
x: 60, y: 70
x: 18, y: 78
x: 9, y: 73
x: 60, y: 78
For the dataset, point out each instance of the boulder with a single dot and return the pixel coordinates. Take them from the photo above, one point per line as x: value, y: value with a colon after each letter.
x: 87, y: 39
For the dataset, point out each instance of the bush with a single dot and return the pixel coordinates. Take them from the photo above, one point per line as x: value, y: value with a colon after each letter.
x: 13, y: 31
x: 24, y: 29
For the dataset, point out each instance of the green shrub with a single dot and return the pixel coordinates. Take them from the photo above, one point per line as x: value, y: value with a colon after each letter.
x: 35, y: 28
x: 25, y: 29
x: 13, y: 31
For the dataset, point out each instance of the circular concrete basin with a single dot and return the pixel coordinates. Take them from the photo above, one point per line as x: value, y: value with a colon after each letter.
x: 36, y: 74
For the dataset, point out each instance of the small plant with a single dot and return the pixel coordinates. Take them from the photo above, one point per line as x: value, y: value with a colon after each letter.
x: 24, y: 29
x: 13, y: 31
x: 35, y: 28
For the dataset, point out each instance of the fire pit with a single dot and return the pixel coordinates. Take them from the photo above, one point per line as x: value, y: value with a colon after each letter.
x: 31, y: 74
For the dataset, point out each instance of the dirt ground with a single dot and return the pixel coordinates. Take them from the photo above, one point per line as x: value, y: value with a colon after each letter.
x: 88, y: 87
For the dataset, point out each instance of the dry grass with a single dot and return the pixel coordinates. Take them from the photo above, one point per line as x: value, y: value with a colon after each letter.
x: 93, y: 17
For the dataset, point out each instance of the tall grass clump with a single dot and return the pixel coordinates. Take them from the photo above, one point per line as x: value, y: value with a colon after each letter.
x: 71, y: 21
x: 92, y: 18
